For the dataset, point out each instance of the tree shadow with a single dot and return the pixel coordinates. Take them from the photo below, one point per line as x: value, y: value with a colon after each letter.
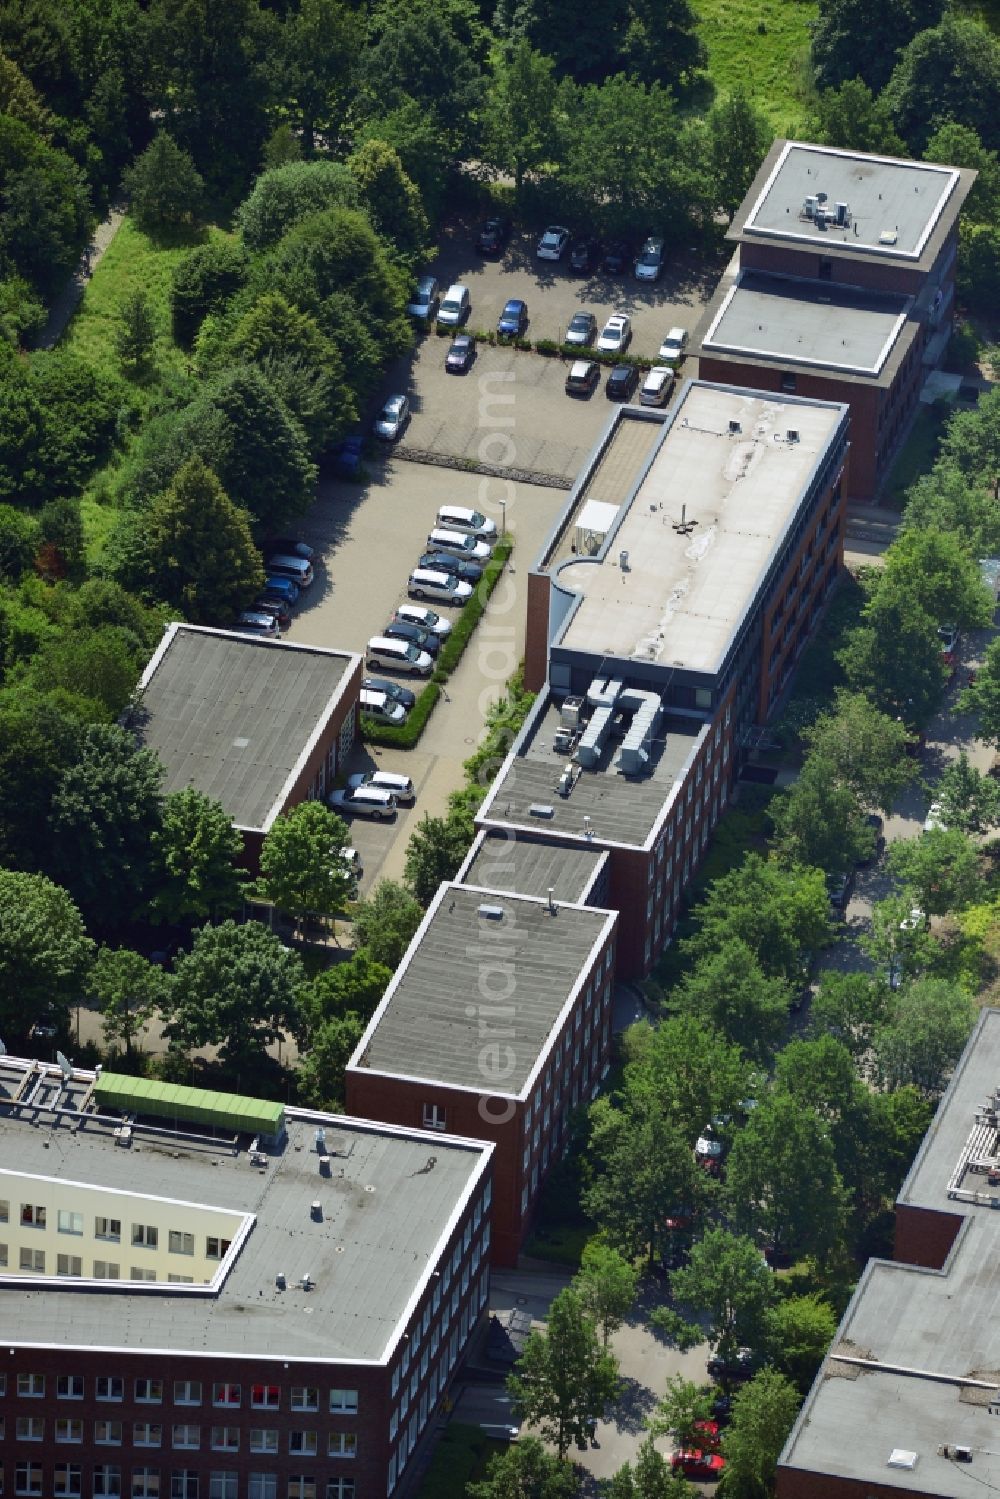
x: 635, y: 1404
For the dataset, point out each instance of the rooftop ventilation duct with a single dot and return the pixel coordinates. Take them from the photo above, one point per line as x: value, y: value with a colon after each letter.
x: 647, y: 711
x: 602, y: 694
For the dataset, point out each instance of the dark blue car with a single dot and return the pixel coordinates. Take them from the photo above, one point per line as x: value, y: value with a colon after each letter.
x: 513, y: 320
x: 346, y: 455
x: 281, y: 588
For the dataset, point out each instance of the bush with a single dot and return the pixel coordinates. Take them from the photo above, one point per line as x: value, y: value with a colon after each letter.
x: 285, y: 195
x: 547, y: 346
x: 203, y: 283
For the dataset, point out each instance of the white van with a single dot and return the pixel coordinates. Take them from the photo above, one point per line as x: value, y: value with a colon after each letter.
x: 299, y: 569
x: 455, y: 306
x: 401, y: 787
x: 458, y: 544
x: 461, y: 518
x: 399, y: 655
x: 379, y: 705
x: 443, y: 588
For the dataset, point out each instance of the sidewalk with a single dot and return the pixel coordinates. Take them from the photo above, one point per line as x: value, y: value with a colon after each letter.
x: 71, y: 295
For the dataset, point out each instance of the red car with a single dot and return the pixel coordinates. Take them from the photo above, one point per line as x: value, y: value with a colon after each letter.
x: 694, y: 1463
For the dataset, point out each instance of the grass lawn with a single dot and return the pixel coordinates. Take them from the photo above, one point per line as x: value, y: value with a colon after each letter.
x: 763, y: 45
x: 559, y: 1243
x: 917, y: 454
x: 459, y: 1458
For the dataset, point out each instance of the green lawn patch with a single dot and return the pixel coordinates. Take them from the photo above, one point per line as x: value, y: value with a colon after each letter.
x: 917, y: 455
x: 460, y: 1457
x: 762, y: 45
x: 560, y: 1244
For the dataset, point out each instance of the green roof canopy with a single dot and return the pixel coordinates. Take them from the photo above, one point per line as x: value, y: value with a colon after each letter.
x: 143, y: 1095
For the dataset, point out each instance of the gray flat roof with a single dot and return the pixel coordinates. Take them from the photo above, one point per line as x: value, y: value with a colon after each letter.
x: 894, y: 205
x: 527, y: 867
x: 234, y: 716
x: 385, y: 1215
x: 429, y: 1024
x: 820, y: 325
x: 683, y: 597
x: 929, y: 1340
x: 621, y: 810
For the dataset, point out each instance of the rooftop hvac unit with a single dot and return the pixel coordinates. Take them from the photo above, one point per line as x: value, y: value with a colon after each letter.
x: 810, y: 205
x: 843, y: 214
x: 491, y: 913
x: 571, y: 712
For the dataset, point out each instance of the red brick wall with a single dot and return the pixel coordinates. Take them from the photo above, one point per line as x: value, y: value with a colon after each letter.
x: 798, y: 1483
x: 924, y: 1236
x: 536, y: 643
x: 877, y: 275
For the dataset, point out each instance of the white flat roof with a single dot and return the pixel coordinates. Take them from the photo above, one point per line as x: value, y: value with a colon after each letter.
x: 681, y: 597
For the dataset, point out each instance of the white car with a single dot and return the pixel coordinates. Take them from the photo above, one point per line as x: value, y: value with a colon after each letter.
x: 443, y: 588
x: 672, y: 347
x: 364, y: 801
x: 433, y: 623
x: 458, y: 544
x: 616, y: 335
x: 392, y: 418
x: 463, y: 518
x: 656, y: 386
x: 553, y: 243
x: 915, y: 922
x: 401, y: 787
x: 934, y: 819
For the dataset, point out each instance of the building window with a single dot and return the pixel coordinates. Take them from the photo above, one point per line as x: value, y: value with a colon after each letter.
x: 28, y: 1478
x: 4, y: 1210
x: 110, y: 1387
x: 69, y: 1387
x: 184, y: 1483
x: 68, y: 1479
x: 225, y: 1439
x: 32, y: 1260
x: 263, y: 1439
x: 188, y: 1437
x: 301, y: 1486
x: 106, y: 1270
x: 306, y: 1397
x: 226, y: 1394
x: 69, y: 1429
x: 69, y: 1264
x: 32, y: 1217
x: 30, y: 1428
x: 342, y: 1444
x: 223, y: 1486
x: 108, y: 1433
x: 69, y: 1223
x: 340, y: 1488
x: 180, y: 1243
x: 263, y: 1486
x: 149, y: 1391
x: 145, y: 1236
x: 788, y: 383
x: 145, y: 1483
x: 31, y: 1386
x: 107, y: 1481
x: 215, y: 1249
x: 108, y: 1228
x: 138, y: 1273
x: 187, y: 1391
x: 305, y: 1443
x: 435, y: 1116
x: 146, y: 1434
x: 344, y: 1401
x: 266, y: 1397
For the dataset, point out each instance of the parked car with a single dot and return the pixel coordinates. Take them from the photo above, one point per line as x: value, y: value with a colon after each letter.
x: 276, y: 609
x: 456, y: 305
x: 290, y: 546
x: 585, y: 255
x: 874, y: 821
x: 616, y: 335
x: 493, y: 236
x: 443, y: 562
x: 583, y: 377
x: 916, y: 921
x: 423, y: 303
x: 45, y: 1028
x: 405, y: 629
x: 616, y: 258
x: 513, y: 320
x: 401, y: 787
x: 553, y: 243
x: 461, y: 354
x: 459, y: 544
x: 463, y: 518
x: 581, y: 330
x: 657, y: 386
x: 693, y: 1463
x: 427, y: 619
x: 351, y: 861
x: 839, y: 887
x: 672, y: 347
x: 731, y: 1371
x: 934, y: 818
x: 364, y: 801
x: 621, y: 382
x: 281, y: 588
x: 951, y: 639
x: 396, y: 693
x: 345, y: 455
x: 297, y: 569
x: 394, y: 654
x: 649, y: 262
x: 256, y: 622
x: 443, y: 587
x: 392, y: 418
x: 380, y: 706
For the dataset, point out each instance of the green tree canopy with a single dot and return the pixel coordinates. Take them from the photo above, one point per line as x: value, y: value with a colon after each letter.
x: 354, y: 986
x: 923, y: 1035
x: 682, y: 1412
x: 607, y: 1284
x: 800, y: 1330
x: 687, y: 1071
x: 763, y: 1414
x: 45, y: 952
x: 818, y: 821
x: 319, y: 42
x: 520, y: 117
x: 284, y: 196
x: 392, y: 200
x: 936, y: 570
x: 739, y: 135
x: 959, y: 146
x: 730, y: 991
x: 948, y: 72
x: 983, y: 697
x: 848, y: 1006
x: 852, y: 118
x: 970, y: 801
x: 436, y: 848
x: 302, y: 869
x: 941, y: 868
x: 866, y: 747
x: 564, y: 1377
x: 850, y: 41
x: 202, y: 282
x: 727, y: 1279
x: 129, y: 991
x: 46, y: 207
x: 164, y: 186
x: 38, y: 742
x: 321, y: 1069
x: 951, y: 500
x: 894, y: 656
x: 386, y: 921
x: 780, y: 913
x: 431, y: 51
x: 525, y: 1471
x: 197, y: 851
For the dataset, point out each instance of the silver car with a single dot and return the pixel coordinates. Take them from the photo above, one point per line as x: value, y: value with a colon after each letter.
x: 581, y: 330
x: 392, y: 418
x: 425, y: 297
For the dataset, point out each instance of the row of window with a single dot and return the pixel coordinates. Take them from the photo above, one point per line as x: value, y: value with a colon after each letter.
x: 32, y: 1262
x: 185, y: 1392
x: 108, y: 1482
x: 189, y: 1438
x: 143, y: 1235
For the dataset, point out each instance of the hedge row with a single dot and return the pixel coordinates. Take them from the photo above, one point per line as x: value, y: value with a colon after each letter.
x: 449, y: 656
x: 544, y: 346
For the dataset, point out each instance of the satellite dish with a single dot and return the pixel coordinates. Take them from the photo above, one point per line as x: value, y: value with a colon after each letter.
x: 65, y: 1067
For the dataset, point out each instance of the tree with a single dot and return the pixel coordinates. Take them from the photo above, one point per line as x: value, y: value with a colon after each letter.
x: 38, y: 742
x: 424, y: 149
x: 924, y: 1033
x: 800, y: 1330
x: 46, y: 207
x: 969, y: 800
x: 848, y: 1006
x: 979, y: 263
x: 21, y: 100
x: 952, y: 500
x: 520, y: 123
x: 852, y: 118
x: 197, y: 851
x: 129, y: 991
x: 164, y: 186
x: 687, y: 1071
x: 866, y: 747
x: 782, y: 1181
x: 284, y: 196
x: 940, y: 868
x: 948, y: 72
x: 739, y: 136
x: 237, y: 989
x: 894, y: 655
x: 385, y: 923
x: 849, y: 41
x: 959, y: 146
x: 392, y: 200
x: 352, y: 987
x: 199, y: 550
x: 44, y: 950
x: 729, y: 990
x: 302, y: 868
x: 937, y: 571
x: 22, y: 314
x: 203, y: 282
x: 105, y: 809
x: 432, y: 53
x: 779, y: 913
x: 682, y: 1412
x: 983, y: 697
x: 18, y: 542
x: 321, y: 1069
x: 136, y: 334
x: 525, y: 1471
x: 818, y: 820
x: 436, y: 848
x: 763, y: 1414
x: 564, y: 1378
x: 899, y: 943
x: 971, y: 442
x: 651, y: 1478
x: 606, y: 1284
x: 728, y: 1280
x: 318, y: 44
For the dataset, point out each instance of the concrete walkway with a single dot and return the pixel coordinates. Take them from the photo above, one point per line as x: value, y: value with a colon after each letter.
x: 71, y: 295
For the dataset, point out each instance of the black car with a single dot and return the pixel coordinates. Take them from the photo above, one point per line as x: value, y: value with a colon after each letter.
x: 287, y: 546
x: 585, y: 255
x: 741, y: 1366
x: 839, y: 887
x: 393, y: 691
x: 622, y: 382
x: 459, y: 567
x: 275, y: 608
x: 617, y: 258
x: 461, y: 354
x: 273, y: 596
x: 492, y: 236
x: 877, y: 826
x: 404, y: 629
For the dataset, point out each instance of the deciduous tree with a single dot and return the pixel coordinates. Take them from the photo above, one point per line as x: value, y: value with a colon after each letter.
x: 284, y: 196
x: 866, y: 747
x: 197, y: 852
x: 525, y: 1471
x: 779, y: 912
x: 728, y: 1280
x: 948, y: 72
x: 436, y: 848
x: 969, y: 800
x: 129, y: 990
x: 45, y: 952
x: 302, y: 868
x: 136, y: 334
x: 739, y: 135
x: 922, y: 1038
x: 321, y: 1069
x: 730, y: 991
x: 941, y: 868
x: 763, y: 1414
x: 607, y: 1284
x: 818, y: 821
x: 385, y: 922
x: 392, y: 200
x: 564, y: 1378
x: 850, y: 42
x: 800, y: 1330
x: 520, y: 123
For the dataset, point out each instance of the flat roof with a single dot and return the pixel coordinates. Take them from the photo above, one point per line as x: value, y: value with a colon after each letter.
x: 388, y: 1206
x: 475, y: 952
x: 604, y: 808
x: 235, y: 716
x: 500, y: 861
x: 818, y: 325
x: 916, y: 1361
x: 727, y: 464
x: 893, y: 205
